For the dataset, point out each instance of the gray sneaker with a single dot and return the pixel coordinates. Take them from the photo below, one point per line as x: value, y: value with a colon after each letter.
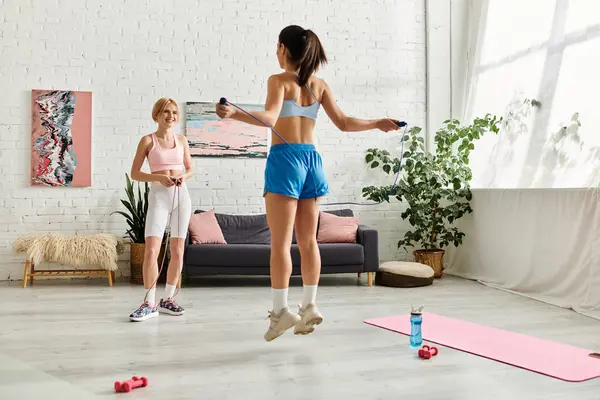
x: 280, y: 323
x: 309, y: 318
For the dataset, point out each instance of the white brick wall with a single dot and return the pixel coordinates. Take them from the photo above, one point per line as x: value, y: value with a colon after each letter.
x: 131, y: 53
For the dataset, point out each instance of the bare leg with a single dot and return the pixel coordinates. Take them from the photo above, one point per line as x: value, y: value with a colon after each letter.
x: 179, y: 223
x: 150, y: 270
x: 153, y: 232
x: 307, y: 219
x: 167, y: 304
x: 281, y: 211
x: 151, y: 261
x: 176, y: 261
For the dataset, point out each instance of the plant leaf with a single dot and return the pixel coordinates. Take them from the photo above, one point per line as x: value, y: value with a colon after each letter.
x: 456, y: 183
x: 434, y: 185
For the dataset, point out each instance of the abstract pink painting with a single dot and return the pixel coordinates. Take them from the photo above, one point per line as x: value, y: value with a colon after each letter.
x: 61, y: 138
x: 210, y: 136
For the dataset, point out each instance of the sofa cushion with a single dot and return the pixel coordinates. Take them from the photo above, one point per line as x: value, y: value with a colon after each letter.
x: 258, y: 255
x: 344, y: 212
x: 337, y: 229
x: 204, y: 228
x: 243, y: 229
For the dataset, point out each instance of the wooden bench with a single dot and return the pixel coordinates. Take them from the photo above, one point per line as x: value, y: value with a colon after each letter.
x: 80, y: 252
x: 30, y: 272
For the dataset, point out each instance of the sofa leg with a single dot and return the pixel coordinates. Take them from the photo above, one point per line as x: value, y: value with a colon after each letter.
x: 359, y: 276
x: 370, y: 278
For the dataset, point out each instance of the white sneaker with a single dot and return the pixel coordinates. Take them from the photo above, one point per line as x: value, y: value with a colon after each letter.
x: 280, y: 323
x: 309, y: 318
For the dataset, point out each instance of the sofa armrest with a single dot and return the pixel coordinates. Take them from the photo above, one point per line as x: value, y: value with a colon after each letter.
x: 369, y: 238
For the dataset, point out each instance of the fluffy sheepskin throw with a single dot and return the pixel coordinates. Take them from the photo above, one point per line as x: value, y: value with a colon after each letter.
x: 99, y: 251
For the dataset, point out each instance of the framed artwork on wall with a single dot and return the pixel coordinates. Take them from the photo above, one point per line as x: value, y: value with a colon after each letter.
x: 61, y: 138
x: 210, y: 136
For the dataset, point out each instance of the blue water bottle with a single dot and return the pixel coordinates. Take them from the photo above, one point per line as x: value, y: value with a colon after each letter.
x: 416, y: 318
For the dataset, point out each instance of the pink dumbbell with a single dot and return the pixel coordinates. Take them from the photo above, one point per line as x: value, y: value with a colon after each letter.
x: 133, y: 383
x: 427, y: 352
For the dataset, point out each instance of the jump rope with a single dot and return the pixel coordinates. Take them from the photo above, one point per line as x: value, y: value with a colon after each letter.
x: 401, y: 124
x: 178, y: 182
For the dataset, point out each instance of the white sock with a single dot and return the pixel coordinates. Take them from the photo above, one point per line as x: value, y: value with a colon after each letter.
x: 151, y: 297
x: 310, y: 295
x: 280, y: 299
x: 169, y: 291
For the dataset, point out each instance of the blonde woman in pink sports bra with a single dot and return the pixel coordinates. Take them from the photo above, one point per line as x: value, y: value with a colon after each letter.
x: 170, y: 163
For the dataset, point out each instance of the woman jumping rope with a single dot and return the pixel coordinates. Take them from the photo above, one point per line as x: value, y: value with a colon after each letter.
x: 170, y: 166
x: 294, y: 176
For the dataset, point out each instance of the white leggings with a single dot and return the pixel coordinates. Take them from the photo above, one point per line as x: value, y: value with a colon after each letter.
x: 160, y: 203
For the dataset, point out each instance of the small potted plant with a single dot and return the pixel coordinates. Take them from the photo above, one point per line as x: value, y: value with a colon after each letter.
x: 137, y: 209
x: 434, y: 186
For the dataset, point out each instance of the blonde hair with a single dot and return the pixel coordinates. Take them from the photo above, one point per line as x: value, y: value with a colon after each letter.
x: 160, y: 106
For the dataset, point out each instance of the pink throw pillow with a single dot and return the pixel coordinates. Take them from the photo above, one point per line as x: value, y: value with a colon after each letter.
x: 336, y: 229
x: 205, y: 229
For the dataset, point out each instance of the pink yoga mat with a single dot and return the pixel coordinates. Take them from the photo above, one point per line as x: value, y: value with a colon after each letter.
x: 561, y: 361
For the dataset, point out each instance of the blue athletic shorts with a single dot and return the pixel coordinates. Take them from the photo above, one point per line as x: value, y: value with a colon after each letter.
x: 295, y: 170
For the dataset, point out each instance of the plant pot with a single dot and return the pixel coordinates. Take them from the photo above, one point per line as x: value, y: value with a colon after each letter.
x: 136, y: 261
x: 434, y: 258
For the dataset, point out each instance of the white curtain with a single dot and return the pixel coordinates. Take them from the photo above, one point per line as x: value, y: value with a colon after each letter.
x: 533, y: 231
x: 508, y: 53
x: 468, y: 24
x: 540, y: 243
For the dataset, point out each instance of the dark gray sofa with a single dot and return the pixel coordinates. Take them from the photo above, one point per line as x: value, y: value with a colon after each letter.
x: 247, y: 250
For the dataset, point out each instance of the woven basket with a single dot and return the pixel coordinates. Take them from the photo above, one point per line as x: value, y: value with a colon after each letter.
x: 433, y: 258
x: 136, y: 261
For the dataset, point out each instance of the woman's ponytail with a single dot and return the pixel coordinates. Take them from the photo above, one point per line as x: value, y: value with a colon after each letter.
x: 305, y: 49
x: 313, y: 57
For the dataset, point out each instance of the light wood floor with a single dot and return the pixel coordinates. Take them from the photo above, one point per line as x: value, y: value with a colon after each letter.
x: 72, y: 340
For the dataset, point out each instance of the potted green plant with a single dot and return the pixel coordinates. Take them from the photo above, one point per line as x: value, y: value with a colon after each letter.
x: 434, y: 186
x: 137, y: 209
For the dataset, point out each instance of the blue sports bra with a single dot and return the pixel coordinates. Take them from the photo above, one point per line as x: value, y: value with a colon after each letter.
x: 292, y: 109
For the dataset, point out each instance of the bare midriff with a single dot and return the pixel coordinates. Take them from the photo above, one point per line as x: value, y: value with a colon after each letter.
x: 169, y: 172
x: 294, y: 130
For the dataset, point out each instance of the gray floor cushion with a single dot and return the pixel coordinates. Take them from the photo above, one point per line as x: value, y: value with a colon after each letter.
x: 404, y: 274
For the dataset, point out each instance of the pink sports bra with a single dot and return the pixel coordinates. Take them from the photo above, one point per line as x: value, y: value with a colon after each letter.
x: 164, y: 159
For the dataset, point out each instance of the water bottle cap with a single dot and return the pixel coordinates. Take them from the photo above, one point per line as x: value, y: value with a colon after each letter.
x: 416, y: 311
